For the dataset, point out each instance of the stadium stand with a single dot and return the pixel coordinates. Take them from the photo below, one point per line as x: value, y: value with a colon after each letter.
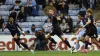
x: 38, y: 20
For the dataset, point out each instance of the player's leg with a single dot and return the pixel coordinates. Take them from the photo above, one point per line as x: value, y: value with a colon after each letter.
x: 86, y: 42
x: 65, y: 41
x: 24, y: 45
x: 50, y: 38
x: 16, y: 40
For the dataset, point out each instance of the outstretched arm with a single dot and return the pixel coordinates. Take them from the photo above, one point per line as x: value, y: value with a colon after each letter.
x: 89, y: 21
x: 3, y: 27
x: 21, y: 30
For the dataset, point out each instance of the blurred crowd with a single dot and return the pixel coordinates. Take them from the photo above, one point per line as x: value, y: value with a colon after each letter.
x: 20, y: 11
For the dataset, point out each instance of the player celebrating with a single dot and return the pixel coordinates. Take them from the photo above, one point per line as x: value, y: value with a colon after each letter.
x: 1, y: 23
x: 13, y: 27
x: 56, y: 29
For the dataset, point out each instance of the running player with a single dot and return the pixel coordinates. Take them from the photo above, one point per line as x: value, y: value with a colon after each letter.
x: 91, y: 30
x: 13, y: 27
x: 80, y: 33
x: 1, y: 23
x: 56, y: 29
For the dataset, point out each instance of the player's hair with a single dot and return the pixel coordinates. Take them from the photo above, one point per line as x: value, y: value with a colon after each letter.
x: 89, y: 10
x: 52, y: 9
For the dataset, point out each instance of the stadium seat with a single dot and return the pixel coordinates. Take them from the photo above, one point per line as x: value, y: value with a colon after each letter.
x: 73, y: 12
x: 44, y: 18
x: 4, y: 13
x: 34, y: 19
x: 37, y: 24
x: 26, y: 29
x: 24, y: 24
x: 5, y: 18
x: 30, y: 18
x: 37, y: 18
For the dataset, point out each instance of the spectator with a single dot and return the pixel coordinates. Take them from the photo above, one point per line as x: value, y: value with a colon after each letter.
x: 48, y: 7
x: 54, y: 3
x: 84, y: 3
x: 63, y: 7
x: 98, y: 28
x: 48, y: 26
x: 21, y: 15
x: 35, y: 11
x: 2, y: 2
x: 13, y: 14
x: 64, y: 27
x: 44, y: 3
x: 62, y: 16
x: 70, y: 23
x: 32, y: 3
x: 33, y: 29
x: 42, y: 40
x: 28, y: 9
x: 82, y: 10
x: 16, y: 7
x: 18, y: 1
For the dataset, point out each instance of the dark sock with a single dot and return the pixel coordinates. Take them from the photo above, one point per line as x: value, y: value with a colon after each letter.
x: 52, y: 40
x: 86, y: 44
x: 25, y: 46
x: 67, y: 43
x: 17, y: 42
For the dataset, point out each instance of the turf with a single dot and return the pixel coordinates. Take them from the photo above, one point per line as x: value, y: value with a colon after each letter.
x: 50, y: 53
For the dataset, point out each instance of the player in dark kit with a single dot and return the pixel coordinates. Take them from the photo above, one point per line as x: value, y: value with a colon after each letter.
x: 56, y: 29
x: 13, y: 27
x: 91, y: 30
x: 1, y: 23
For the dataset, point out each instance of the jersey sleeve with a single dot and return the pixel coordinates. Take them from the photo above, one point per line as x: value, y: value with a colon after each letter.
x: 6, y: 26
x: 17, y: 24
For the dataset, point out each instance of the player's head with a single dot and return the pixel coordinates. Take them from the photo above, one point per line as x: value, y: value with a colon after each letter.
x: 11, y: 19
x: 89, y: 12
x: 51, y: 11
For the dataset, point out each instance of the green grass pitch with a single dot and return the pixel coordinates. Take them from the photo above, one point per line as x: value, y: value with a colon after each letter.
x: 50, y: 53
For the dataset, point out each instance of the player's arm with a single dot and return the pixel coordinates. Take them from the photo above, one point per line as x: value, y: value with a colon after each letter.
x: 3, y: 27
x: 21, y: 30
x: 89, y: 21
